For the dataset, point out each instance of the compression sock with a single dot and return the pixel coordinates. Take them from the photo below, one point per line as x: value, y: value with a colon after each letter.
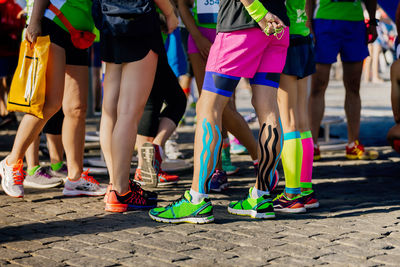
x: 56, y: 166
x: 209, y: 153
x: 197, y: 197
x: 270, y: 144
x: 307, y: 162
x: 291, y: 161
x: 33, y: 170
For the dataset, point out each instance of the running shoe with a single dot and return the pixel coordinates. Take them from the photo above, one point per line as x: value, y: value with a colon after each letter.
x: 164, y: 179
x: 12, y: 178
x: 236, y: 147
x: 317, y: 153
x: 135, y: 187
x: 62, y: 172
x: 358, y: 152
x: 86, y: 185
x: 226, y: 160
x: 132, y: 200
x: 273, y: 183
x: 283, y: 204
x: 309, y: 199
x: 172, y: 150
x: 183, y: 210
x: 252, y: 117
x: 42, y: 179
x: 260, y: 208
x: 151, y: 157
x: 219, y: 181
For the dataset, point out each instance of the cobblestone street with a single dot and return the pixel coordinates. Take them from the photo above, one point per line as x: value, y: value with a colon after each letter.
x: 358, y: 223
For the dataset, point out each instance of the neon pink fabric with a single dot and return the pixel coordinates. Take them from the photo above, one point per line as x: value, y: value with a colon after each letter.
x: 308, y: 157
x: 210, y: 34
x: 243, y: 53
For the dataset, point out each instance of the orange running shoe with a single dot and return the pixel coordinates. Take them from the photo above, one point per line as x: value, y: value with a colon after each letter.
x: 128, y: 201
x: 358, y: 152
x: 164, y: 178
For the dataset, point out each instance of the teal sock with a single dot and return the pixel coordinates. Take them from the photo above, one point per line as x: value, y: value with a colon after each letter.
x: 33, y: 170
x: 56, y: 166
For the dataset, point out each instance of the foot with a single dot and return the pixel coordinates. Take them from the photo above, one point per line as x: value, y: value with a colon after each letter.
x: 164, y: 179
x: 219, y: 181
x: 357, y: 151
x: 317, y: 153
x: 257, y: 208
x: 132, y: 200
x: 226, y: 160
x: 309, y: 199
x: 42, y: 179
x: 12, y: 178
x: 151, y: 156
x: 183, y: 210
x: 283, y: 204
x: 86, y: 185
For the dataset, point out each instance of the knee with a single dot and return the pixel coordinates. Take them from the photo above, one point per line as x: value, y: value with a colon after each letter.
x: 75, y: 110
x: 50, y: 108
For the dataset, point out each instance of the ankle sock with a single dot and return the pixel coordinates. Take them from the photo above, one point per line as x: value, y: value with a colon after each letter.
x: 292, y: 154
x: 307, y: 160
x: 255, y: 193
x: 33, y: 170
x: 57, y: 166
x: 197, y: 197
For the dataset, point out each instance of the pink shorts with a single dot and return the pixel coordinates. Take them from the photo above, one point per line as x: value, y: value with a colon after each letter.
x: 246, y: 52
x: 210, y: 34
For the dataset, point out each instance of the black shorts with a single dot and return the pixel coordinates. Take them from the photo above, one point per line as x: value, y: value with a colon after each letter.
x: 60, y: 37
x: 54, y: 124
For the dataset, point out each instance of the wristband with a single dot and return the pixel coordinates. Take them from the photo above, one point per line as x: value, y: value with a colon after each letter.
x: 256, y: 10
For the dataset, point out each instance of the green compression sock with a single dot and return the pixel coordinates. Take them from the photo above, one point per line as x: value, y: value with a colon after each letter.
x: 56, y: 166
x: 33, y: 170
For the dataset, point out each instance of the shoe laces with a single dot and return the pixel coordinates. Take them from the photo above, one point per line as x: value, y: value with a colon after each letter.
x: 135, y: 187
x: 176, y: 202
x: 85, y: 175
x: 136, y: 198
x: 18, y: 173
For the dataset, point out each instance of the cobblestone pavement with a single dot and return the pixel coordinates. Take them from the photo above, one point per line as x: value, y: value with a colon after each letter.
x: 358, y: 223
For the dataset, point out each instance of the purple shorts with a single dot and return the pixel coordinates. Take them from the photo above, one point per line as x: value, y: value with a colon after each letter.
x: 210, y: 34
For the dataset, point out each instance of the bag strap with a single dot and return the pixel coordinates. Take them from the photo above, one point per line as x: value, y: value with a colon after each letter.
x: 62, y: 18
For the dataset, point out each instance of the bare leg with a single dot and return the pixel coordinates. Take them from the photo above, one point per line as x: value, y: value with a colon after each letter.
x: 352, y: 104
x: 394, y: 132
x: 55, y: 146
x: 316, y: 105
x: 31, y: 126
x: 74, y: 107
x: 136, y: 83
x: 32, y: 154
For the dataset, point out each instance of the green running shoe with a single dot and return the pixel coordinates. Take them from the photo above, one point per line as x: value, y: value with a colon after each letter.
x: 182, y: 210
x: 226, y: 160
x: 260, y: 208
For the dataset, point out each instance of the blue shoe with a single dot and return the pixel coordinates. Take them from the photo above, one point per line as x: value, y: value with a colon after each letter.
x: 219, y: 181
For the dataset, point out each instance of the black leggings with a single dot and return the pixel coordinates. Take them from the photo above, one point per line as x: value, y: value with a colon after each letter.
x: 166, y: 89
x: 54, y: 124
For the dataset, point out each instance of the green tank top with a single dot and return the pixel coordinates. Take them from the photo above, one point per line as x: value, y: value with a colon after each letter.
x: 297, y: 16
x: 78, y: 13
x: 349, y: 10
x: 205, y: 13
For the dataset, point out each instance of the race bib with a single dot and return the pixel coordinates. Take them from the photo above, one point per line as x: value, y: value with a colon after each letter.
x: 207, y: 11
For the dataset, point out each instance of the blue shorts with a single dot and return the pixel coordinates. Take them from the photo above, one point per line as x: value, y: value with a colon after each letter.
x: 300, y: 59
x: 176, y: 55
x: 332, y: 37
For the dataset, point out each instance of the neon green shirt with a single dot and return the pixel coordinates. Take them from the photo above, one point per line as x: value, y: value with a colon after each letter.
x: 297, y: 16
x: 350, y: 10
x: 207, y: 15
x: 78, y: 12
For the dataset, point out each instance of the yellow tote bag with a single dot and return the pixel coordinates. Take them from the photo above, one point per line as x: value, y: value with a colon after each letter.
x: 28, y: 87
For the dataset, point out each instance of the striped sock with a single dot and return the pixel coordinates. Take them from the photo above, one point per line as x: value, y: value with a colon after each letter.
x: 307, y: 161
x: 292, y: 154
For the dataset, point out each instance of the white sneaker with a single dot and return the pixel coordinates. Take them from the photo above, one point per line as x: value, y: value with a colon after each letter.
x: 172, y: 150
x: 12, y: 178
x: 86, y: 185
x: 42, y: 179
x: 61, y: 173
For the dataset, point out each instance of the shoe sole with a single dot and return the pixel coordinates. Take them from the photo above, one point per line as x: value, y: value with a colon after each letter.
x: 2, y: 175
x: 291, y: 210
x: 231, y: 172
x: 149, y: 174
x: 76, y: 193
x: 126, y: 207
x: 252, y: 213
x: 312, y: 206
x: 222, y: 187
x: 193, y: 220
x: 40, y: 186
x: 161, y: 184
x: 372, y: 155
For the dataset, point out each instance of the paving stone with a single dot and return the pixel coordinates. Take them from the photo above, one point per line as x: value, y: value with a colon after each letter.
x: 89, y: 261
x: 148, y: 262
x: 10, y: 254
x: 55, y: 254
x: 25, y: 246
x: 36, y: 261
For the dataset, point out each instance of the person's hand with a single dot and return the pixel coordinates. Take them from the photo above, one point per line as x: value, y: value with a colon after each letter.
x: 33, y: 31
x: 372, y: 34
x: 172, y: 22
x: 204, y: 45
x: 270, y: 23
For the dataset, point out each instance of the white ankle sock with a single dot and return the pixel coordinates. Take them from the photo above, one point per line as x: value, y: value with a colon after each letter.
x: 197, y: 197
x: 258, y: 193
